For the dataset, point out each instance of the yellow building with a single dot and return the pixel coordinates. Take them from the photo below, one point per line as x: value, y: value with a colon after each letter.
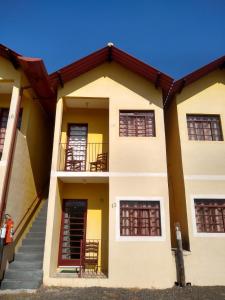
x: 108, y: 212
x: 25, y: 138
x: 133, y: 153
x: 195, y: 124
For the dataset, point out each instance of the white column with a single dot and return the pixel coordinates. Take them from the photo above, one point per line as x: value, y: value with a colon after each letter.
x: 15, y: 99
x: 57, y: 134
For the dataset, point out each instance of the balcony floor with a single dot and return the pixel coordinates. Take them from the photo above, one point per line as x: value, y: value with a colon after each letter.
x: 83, y: 177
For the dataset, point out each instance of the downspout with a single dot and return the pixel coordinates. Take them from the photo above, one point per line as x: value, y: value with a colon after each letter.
x: 10, y: 157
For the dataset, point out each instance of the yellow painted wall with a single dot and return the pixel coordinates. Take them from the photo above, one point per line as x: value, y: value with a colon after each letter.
x: 178, y: 210
x: 22, y: 191
x: 39, y: 140
x: 5, y: 100
x: 97, y: 213
x: 7, y: 71
x: 203, y: 96
x: 137, y: 167
x: 146, y: 264
x: 98, y: 131
x: 31, y: 161
x: 206, y: 264
x: 125, y: 90
x: 97, y: 120
x: 32, y: 157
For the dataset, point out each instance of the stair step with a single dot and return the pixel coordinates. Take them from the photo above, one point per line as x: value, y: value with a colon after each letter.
x: 38, y: 229
x: 40, y: 221
x: 35, y: 235
x: 40, y: 235
x: 28, y: 265
x: 18, y: 274
x: 41, y: 227
x: 19, y: 284
x: 33, y: 241
x: 31, y: 248
x: 25, y: 272
x: 26, y: 256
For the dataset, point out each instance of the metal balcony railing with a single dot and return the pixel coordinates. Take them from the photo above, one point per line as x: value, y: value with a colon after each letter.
x: 83, y: 157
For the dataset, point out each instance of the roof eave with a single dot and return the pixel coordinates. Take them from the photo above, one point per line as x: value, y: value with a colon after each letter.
x: 108, y: 54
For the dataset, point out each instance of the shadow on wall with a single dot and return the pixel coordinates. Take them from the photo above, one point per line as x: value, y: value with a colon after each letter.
x: 121, y: 75
x: 202, y: 84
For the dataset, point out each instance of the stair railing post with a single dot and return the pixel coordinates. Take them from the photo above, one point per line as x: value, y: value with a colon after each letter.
x: 180, y: 256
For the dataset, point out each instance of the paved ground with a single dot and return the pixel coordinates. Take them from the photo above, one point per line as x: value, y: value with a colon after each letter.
x: 189, y: 293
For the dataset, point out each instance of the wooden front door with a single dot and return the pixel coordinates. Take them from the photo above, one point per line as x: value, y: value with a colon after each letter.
x: 73, y: 232
x: 77, y: 140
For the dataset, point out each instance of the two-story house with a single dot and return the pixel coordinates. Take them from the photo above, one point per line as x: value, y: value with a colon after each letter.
x: 26, y: 110
x: 119, y: 178
x: 108, y: 210
x: 195, y: 126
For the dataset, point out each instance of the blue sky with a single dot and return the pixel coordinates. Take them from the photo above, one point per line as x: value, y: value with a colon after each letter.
x: 175, y: 37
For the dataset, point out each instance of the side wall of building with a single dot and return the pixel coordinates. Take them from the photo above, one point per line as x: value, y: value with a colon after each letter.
x: 204, y: 175
x: 178, y: 210
x: 32, y: 155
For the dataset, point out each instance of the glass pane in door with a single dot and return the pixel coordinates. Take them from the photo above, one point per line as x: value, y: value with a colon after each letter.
x: 77, y: 141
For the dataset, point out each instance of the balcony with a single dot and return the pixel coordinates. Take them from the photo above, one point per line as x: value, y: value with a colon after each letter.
x: 83, y: 157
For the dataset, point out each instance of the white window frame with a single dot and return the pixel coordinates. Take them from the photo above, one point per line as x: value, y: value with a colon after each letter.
x: 120, y: 238
x: 194, y: 226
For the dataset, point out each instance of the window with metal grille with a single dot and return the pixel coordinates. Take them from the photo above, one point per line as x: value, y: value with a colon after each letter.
x: 4, y: 114
x: 140, y: 218
x: 210, y: 215
x: 204, y: 127
x: 137, y: 123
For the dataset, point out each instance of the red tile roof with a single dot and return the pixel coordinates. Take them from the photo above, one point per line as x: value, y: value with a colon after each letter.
x: 45, y: 85
x: 37, y: 75
x: 178, y: 85
x: 108, y: 54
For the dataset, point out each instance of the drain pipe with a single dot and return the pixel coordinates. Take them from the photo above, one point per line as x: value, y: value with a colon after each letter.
x: 10, y: 157
x: 180, y: 257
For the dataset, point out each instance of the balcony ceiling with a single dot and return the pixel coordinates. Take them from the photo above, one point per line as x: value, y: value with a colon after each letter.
x: 6, y: 87
x: 88, y: 103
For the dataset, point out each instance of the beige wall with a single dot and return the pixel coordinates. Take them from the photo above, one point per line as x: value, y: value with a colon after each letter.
x: 137, y: 168
x: 22, y: 191
x: 97, y: 214
x: 30, y: 168
x: 178, y: 210
x: 204, y: 173
x: 125, y: 90
x: 39, y: 140
x: 97, y: 120
x: 206, y: 264
x: 146, y: 264
x: 203, y: 96
x: 7, y: 71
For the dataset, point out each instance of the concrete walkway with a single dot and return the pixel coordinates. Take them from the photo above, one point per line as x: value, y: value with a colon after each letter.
x: 189, y: 293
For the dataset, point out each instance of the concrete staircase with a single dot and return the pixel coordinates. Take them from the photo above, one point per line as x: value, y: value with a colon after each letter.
x: 25, y: 272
